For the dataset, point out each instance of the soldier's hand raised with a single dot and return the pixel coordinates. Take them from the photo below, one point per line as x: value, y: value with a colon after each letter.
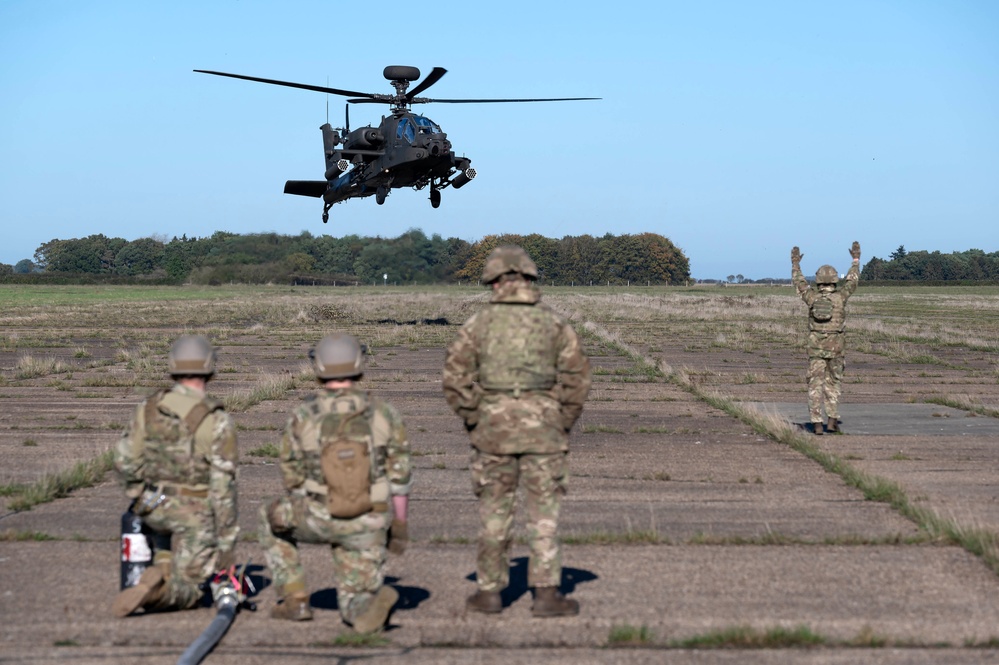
x: 796, y: 255
x: 855, y: 250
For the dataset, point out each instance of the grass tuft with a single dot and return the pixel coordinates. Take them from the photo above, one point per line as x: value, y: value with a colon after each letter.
x: 744, y: 637
x: 626, y: 635
x: 12, y: 536
x: 266, y: 450
x: 270, y: 387
x: 57, y: 485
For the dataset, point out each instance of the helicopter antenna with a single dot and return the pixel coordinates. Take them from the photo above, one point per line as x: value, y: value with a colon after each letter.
x: 346, y: 118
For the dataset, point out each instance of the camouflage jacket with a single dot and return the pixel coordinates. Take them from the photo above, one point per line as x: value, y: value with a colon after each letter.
x: 159, y: 450
x: 517, y: 375
x: 300, y: 449
x: 825, y: 338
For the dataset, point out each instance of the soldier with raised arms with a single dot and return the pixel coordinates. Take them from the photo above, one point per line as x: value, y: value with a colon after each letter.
x: 345, y: 463
x: 178, y: 461
x: 517, y: 376
x: 826, y: 335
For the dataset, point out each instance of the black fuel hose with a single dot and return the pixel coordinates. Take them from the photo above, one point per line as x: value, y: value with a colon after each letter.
x: 212, y: 635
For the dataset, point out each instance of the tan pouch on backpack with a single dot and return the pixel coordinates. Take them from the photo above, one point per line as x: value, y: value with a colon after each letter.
x: 345, y: 461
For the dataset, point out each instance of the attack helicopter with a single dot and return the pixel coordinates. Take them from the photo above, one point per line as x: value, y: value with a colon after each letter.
x: 406, y: 149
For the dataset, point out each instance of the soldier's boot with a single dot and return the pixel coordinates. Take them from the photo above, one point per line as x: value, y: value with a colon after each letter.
x: 487, y: 602
x: 817, y: 428
x: 549, y: 602
x: 374, y: 617
x: 293, y: 607
x: 833, y: 425
x: 150, y: 588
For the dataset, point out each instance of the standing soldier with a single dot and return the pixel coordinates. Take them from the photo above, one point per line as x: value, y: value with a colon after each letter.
x: 517, y: 376
x: 178, y: 461
x: 346, y: 466
x: 826, y: 338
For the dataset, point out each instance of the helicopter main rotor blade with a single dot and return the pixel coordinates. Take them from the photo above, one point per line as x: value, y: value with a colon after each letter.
x: 316, y: 88
x: 432, y: 77
x: 427, y: 100
x: 424, y: 100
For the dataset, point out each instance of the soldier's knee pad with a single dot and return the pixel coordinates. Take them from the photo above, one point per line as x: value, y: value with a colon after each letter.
x: 279, y: 515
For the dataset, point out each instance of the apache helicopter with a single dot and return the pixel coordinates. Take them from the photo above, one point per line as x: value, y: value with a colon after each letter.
x: 405, y: 150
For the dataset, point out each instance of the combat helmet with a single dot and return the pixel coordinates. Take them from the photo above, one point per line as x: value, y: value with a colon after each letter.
x: 191, y: 355
x: 337, y: 356
x: 507, y: 259
x: 826, y: 275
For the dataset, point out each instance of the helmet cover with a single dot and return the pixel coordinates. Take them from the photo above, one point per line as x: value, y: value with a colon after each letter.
x: 191, y: 355
x: 337, y: 356
x: 508, y: 259
x: 826, y: 275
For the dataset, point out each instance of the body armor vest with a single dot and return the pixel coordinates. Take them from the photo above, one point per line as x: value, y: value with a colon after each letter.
x: 827, y: 313
x: 517, y: 350
x: 172, y: 451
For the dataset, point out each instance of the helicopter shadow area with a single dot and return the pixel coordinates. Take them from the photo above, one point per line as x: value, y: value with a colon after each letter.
x: 518, y: 580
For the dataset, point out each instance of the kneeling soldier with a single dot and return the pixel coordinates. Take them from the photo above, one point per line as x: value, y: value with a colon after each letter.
x: 178, y: 461
x: 346, y: 466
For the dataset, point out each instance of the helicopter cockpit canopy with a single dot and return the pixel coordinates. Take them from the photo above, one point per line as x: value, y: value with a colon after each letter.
x: 409, y: 127
x: 426, y: 125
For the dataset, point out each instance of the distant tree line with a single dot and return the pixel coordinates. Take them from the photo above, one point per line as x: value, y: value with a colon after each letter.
x: 902, y: 265
x: 412, y: 257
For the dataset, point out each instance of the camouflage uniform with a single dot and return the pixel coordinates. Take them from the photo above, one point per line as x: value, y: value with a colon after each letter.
x: 517, y: 375
x: 178, y: 460
x: 826, y: 343
x: 303, y: 516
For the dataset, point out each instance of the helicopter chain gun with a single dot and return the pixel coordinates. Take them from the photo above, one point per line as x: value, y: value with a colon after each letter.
x: 406, y: 149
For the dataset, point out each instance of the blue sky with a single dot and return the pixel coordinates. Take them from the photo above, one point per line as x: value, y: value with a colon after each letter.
x: 736, y: 129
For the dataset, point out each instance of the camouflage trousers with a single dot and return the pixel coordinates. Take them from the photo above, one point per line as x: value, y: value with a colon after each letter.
x: 358, y: 547
x: 495, y: 479
x: 825, y: 375
x: 193, y: 556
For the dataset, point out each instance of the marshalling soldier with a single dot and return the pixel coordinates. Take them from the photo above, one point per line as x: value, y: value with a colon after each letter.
x: 826, y: 337
x: 178, y: 461
x: 345, y: 462
x: 517, y: 376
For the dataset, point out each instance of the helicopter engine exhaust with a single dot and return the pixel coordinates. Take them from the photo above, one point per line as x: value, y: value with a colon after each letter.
x: 463, y: 178
x: 365, y: 137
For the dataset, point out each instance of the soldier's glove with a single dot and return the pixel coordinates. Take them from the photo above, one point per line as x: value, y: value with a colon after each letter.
x: 795, y: 256
x: 226, y: 560
x: 398, y: 537
x: 855, y: 250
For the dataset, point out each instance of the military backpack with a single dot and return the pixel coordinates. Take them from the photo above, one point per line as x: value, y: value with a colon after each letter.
x: 346, y: 454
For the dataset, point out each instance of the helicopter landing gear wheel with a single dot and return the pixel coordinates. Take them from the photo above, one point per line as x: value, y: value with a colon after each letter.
x: 380, y: 195
x: 326, y: 213
x: 435, y: 198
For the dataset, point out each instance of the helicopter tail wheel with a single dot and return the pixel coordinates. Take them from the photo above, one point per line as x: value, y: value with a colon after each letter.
x: 380, y: 195
x: 435, y: 198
